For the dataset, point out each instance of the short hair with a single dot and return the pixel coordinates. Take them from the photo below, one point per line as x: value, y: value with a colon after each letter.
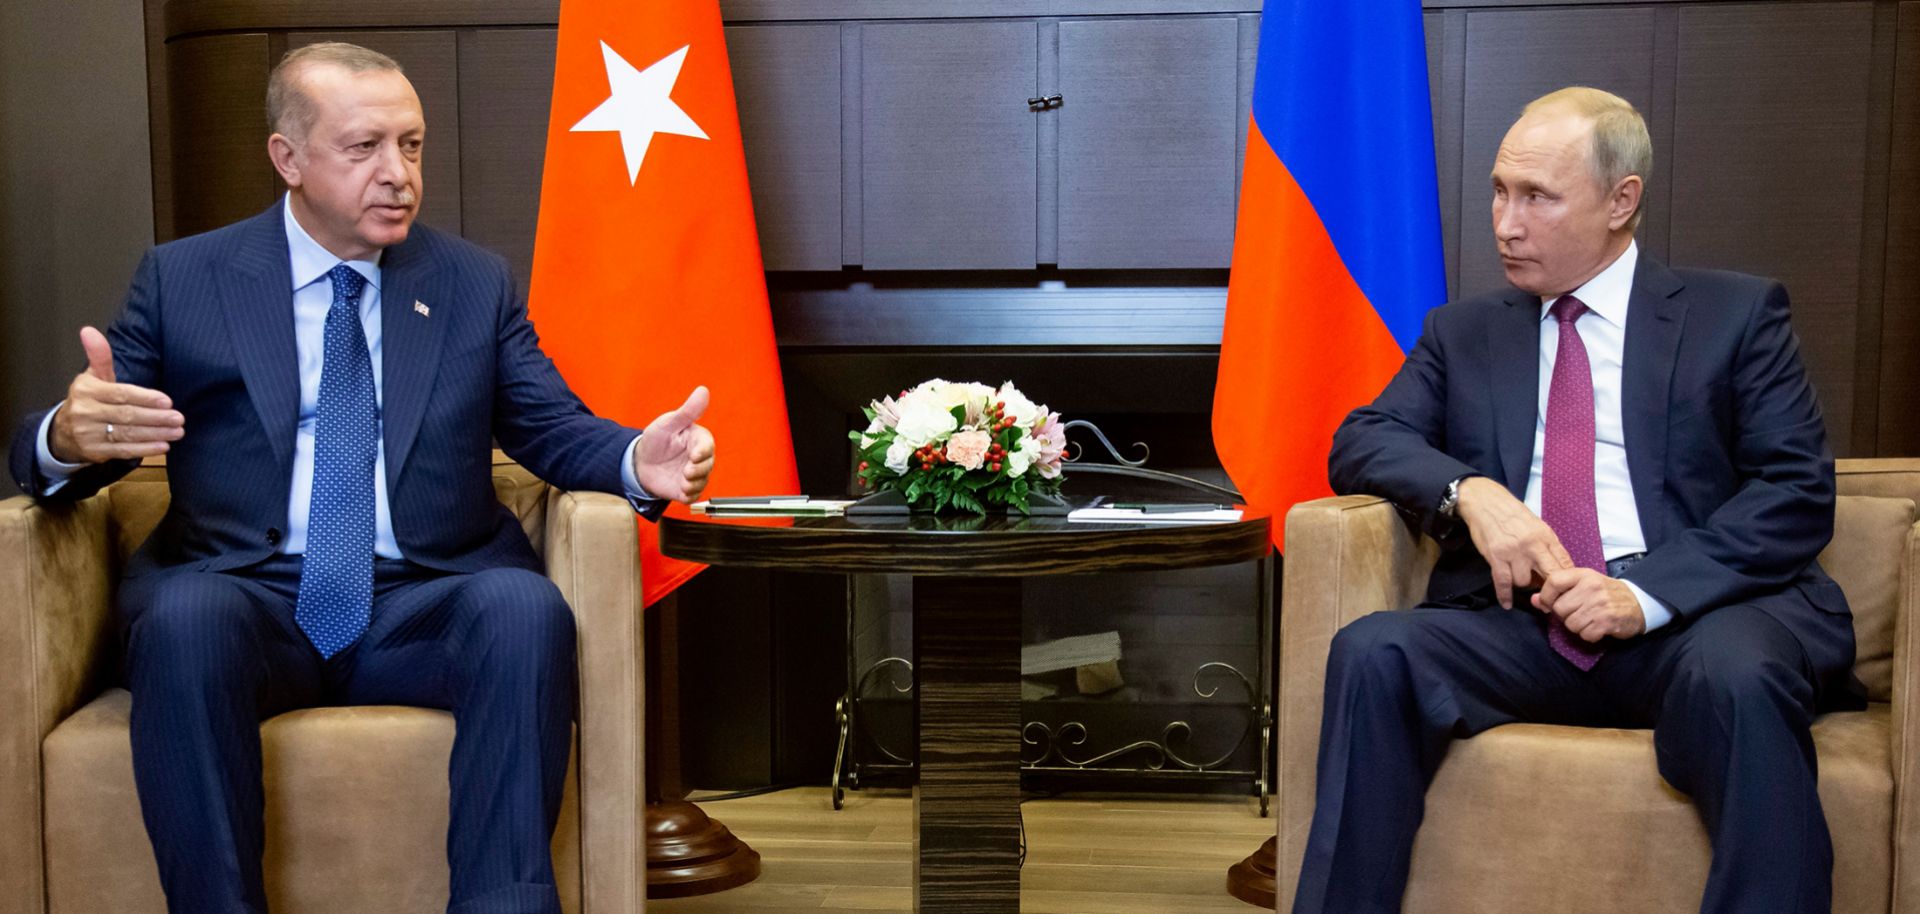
x: 290, y: 110
x: 1621, y: 146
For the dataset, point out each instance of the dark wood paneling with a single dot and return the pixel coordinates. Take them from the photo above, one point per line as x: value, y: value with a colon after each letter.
x: 1768, y: 159
x: 1515, y: 57
x: 999, y: 317
x: 506, y: 86
x: 966, y: 802
x: 1447, y: 72
x: 220, y: 169
x: 159, y: 118
x: 786, y: 79
x: 429, y: 59
x: 1147, y: 133
x: 1899, y: 430
x: 949, y: 145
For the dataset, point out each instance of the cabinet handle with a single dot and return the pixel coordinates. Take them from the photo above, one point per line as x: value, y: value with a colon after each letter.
x: 1044, y: 102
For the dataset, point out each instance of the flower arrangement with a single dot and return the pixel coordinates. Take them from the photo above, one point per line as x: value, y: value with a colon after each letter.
x: 962, y: 446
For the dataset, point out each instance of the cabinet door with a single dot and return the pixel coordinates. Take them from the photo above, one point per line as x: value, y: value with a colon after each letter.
x: 1147, y: 134
x: 787, y: 81
x: 948, y: 145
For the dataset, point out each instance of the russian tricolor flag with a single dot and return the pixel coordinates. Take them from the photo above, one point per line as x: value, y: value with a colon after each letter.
x: 1337, y: 255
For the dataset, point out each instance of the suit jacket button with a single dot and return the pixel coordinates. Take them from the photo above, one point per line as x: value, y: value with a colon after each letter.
x: 273, y: 536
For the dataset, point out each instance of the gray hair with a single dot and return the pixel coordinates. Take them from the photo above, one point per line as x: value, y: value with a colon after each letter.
x: 290, y: 110
x: 1621, y: 146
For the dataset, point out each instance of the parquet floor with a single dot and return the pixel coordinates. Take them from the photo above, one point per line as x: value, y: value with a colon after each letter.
x: 1086, y: 854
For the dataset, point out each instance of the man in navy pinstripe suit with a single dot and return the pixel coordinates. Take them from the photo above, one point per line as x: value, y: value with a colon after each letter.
x: 238, y: 356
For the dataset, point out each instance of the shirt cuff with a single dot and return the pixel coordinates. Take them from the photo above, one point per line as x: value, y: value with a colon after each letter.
x: 1656, y: 612
x: 53, y: 469
x: 637, y: 494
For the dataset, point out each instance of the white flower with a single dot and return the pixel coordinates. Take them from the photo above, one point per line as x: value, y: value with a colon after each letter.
x: 1021, y: 457
x: 1021, y: 410
x: 897, y: 454
x: 866, y: 441
x: 922, y: 421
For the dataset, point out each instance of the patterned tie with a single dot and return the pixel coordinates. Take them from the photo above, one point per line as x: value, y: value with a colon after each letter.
x: 1566, y: 474
x: 336, y: 578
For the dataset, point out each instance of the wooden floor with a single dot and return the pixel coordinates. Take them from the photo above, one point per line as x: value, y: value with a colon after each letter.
x: 1086, y: 854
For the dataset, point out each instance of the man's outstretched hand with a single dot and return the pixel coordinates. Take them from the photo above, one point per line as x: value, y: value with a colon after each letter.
x: 675, y: 453
x: 103, y: 420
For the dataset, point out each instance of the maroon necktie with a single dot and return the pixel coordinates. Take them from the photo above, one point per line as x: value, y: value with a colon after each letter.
x: 1566, y: 472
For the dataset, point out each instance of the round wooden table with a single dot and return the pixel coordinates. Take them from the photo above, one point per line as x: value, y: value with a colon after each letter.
x: 966, y: 646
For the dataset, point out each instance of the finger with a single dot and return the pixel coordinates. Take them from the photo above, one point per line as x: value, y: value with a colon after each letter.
x: 1547, y: 556
x: 1557, y: 584
x: 1560, y: 553
x: 696, y: 405
x: 135, y: 433
x: 129, y: 395
x: 130, y: 416
x: 99, y: 354
x: 125, y: 450
x: 1503, y: 585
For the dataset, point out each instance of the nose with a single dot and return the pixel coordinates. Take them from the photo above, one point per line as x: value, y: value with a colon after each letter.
x: 1506, y: 224
x: 392, y: 165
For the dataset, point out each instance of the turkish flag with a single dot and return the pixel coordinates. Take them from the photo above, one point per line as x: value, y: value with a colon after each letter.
x: 647, y: 278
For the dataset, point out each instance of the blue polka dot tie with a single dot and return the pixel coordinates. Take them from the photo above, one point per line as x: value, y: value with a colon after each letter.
x: 336, y: 579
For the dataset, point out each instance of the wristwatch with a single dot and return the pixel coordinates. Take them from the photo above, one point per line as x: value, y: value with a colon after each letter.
x: 1450, y: 502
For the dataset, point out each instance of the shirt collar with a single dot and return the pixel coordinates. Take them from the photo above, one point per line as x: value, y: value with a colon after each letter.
x: 311, y: 261
x: 1606, y: 294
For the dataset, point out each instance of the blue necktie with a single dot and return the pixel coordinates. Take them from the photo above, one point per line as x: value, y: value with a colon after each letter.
x: 336, y: 578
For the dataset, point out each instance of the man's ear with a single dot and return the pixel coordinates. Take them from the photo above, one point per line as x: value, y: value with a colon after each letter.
x: 1624, y: 201
x: 282, y: 153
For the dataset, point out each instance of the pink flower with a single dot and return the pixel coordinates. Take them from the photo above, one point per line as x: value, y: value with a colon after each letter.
x: 885, y: 413
x: 968, y: 449
x: 1051, y: 433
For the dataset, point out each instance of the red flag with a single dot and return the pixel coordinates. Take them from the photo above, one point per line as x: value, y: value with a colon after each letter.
x: 647, y: 278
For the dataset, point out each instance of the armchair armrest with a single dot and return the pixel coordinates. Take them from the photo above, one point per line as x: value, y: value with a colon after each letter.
x: 593, y: 555
x: 1346, y: 557
x: 55, y: 623
x: 1905, y: 726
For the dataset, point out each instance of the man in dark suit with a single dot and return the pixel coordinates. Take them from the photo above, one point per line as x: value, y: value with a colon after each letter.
x: 327, y: 380
x: 1639, y: 448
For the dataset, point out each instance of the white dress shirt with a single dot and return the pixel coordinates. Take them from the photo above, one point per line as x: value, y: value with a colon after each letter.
x: 1603, y: 330
x: 312, y: 299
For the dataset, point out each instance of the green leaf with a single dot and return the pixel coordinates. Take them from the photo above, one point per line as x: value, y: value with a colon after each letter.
x: 964, y: 500
x: 959, y: 414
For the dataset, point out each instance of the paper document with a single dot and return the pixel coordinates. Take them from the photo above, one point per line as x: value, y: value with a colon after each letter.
x: 800, y: 505
x: 1138, y: 516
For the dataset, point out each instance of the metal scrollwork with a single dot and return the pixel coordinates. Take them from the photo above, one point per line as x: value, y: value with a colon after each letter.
x: 1145, y: 451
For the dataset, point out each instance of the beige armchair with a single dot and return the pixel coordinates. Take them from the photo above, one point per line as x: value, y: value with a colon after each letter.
x: 1635, y: 843
x: 356, y: 797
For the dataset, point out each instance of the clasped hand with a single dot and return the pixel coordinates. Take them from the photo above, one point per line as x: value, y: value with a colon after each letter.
x: 104, y: 420
x: 1522, y: 551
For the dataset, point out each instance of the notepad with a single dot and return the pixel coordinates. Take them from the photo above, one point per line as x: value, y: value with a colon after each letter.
x: 1137, y: 516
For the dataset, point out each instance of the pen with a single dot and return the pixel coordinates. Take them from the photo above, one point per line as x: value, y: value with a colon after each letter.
x: 755, y: 499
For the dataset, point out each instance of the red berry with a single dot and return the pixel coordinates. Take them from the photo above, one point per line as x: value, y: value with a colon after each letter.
x: 863, y: 466
x: 995, y: 466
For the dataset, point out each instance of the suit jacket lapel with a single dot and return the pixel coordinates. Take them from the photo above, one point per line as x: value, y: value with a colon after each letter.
x: 257, y: 296
x: 1655, y: 319
x: 410, y: 344
x: 1513, y: 344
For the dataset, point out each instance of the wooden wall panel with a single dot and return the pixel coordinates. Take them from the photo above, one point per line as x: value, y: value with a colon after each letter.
x: 1768, y: 165
x: 1899, y: 408
x: 506, y: 87
x: 219, y: 152
x: 787, y: 81
x: 1513, y: 57
x: 1147, y: 129
x: 948, y: 152
x: 429, y: 59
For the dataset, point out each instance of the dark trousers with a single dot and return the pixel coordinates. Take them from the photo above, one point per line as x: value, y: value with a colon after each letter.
x: 211, y: 655
x: 1730, y: 698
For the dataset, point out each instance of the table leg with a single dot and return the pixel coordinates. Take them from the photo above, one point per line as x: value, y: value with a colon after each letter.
x: 966, y: 803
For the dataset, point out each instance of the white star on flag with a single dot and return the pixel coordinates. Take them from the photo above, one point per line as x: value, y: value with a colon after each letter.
x: 640, y: 106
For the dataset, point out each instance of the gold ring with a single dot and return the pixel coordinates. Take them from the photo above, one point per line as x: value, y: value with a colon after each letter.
x: 110, y: 433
